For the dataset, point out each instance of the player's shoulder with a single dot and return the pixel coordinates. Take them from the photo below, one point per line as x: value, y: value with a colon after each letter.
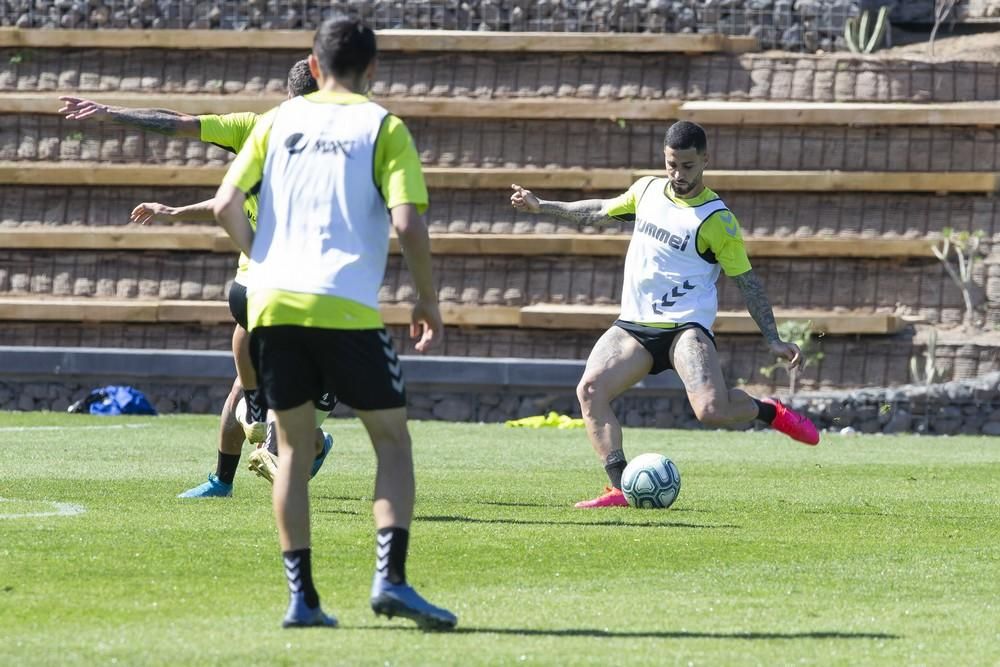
x: 647, y: 184
x: 721, y: 220
x: 239, y: 118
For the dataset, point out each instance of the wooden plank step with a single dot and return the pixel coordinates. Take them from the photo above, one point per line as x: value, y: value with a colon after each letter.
x: 406, y: 107
x: 388, y: 40
x: 558, y: 316
x: 980, y: 114
x: 538, y: 316
x: 458, y: 178
x: 198, y: 238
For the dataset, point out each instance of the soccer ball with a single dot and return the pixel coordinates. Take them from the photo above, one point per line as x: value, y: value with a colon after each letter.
x: 651, y: 481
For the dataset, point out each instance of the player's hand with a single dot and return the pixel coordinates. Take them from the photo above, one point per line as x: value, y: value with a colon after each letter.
x: 789, y: 351
x: 148, y: 212
x: 426, y: 324
x: 523, y: 200
x: 79, y: 108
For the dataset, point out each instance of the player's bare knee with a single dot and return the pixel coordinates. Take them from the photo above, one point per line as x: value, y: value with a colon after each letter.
x: 588, y: 392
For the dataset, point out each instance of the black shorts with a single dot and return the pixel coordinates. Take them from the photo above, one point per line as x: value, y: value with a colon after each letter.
x: 658, y: 341
x: 297, y: 364
x: 238, y: 303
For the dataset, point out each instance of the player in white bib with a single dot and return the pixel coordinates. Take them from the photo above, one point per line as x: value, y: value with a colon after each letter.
x: 684, y: 238
x: 335, y: 172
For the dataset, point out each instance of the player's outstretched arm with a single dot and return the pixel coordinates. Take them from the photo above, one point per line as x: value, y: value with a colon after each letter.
x: 760, y: 310
x: 425, y: 322
x: 228, y: 209
x: 585, y: 211
x: 162, y: 121
x: 158, y: 214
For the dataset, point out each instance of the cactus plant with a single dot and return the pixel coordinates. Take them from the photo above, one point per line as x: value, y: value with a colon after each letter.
x: 863, y: 37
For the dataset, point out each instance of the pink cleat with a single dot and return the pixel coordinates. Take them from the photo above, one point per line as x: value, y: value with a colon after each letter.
x: 795, y: 426
x: 610, y: 498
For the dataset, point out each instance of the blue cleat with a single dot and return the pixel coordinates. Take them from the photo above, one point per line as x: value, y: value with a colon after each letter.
x: 401, y: 600
x: 213, y: 488
x: 301, y: 616
x: 327, y: 446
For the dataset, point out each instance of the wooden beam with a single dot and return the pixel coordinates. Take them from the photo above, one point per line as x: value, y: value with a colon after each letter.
x: 410, y: 107
x: 30, y: 309
x: 981, y: 114
x: 189, y: 238
x: 500, y: 179
x: 198, y: 238
x: 985, y: 114
x: 846, y: 181
x: 559, y: 316
x: 97, y: 174
x: 539, y: 316
x: 388, y: 40
x: 458, y: 315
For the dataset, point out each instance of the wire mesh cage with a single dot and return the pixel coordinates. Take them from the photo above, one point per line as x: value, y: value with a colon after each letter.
x: 788, y: 24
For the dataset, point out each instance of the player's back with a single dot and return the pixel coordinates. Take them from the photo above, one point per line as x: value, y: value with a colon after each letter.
x: 322, y: 225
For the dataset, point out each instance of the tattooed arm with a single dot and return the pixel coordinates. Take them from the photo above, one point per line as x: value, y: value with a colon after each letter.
x: 585, y: 211
x: 162, y: 121
x: 760, y: 310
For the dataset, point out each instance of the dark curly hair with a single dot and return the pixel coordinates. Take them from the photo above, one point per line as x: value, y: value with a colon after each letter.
x: 684, y: 134
x: 300, y: 79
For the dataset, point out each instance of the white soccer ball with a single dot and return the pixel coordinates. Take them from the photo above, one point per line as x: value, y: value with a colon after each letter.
x: 651, y: 481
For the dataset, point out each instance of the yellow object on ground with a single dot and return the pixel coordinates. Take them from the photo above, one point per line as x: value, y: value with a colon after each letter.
x: 551, y: 420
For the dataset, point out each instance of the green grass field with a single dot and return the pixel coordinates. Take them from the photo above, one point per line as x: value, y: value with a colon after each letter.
x: 865, y: 550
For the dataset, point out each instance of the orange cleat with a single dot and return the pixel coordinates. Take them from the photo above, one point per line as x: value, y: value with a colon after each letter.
x: 795, y: 426
x: 610, y: 498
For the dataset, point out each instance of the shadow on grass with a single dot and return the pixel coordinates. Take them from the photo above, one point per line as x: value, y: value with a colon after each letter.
x: 528, y: 522
x: 326, y: 510
x: 533, y: 522
x: 500, y: 503
x: 652, y: 634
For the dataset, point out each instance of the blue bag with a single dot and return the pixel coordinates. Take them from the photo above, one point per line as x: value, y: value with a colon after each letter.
x: 115, y: 400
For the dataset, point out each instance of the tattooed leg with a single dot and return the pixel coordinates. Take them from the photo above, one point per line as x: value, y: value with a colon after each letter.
x: 697, y: 363
x: 616, y: 363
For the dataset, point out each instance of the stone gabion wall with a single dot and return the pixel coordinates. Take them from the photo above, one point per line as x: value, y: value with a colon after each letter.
x: 970, y: 407
x: 794, y: 25
x: 787, y: 24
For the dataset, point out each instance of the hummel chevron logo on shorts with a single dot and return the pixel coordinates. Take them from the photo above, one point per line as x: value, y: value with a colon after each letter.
x: 395, y: 368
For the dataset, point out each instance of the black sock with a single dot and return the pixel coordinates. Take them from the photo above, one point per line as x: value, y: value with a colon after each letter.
x: 298, y: 571
x: 765, y: 411
x: 225, y: 469
x: 615, y: 470
x: 271, y: 441
x: 256, y: 405
x: 390, y: 554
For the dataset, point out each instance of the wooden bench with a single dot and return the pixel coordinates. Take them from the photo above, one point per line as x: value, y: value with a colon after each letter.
x: 460, y: 178
x: 212, y: 239
x: 980, y: 114
x: 388, y: 40
x: 538, y: 316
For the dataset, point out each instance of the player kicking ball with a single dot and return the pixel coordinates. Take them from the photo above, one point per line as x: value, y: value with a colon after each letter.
x: 684, y: 237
